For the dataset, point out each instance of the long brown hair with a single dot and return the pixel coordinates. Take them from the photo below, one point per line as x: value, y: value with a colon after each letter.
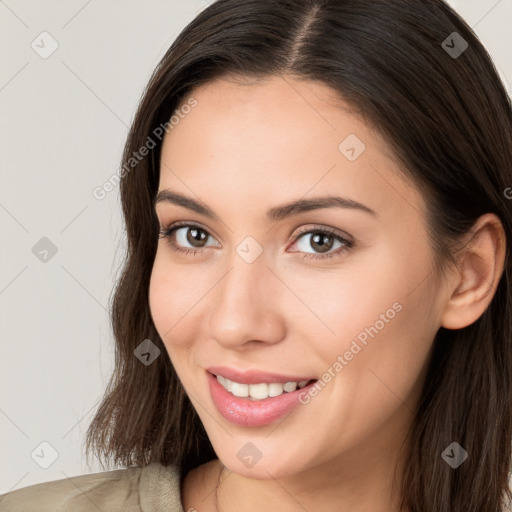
x: 438, y: 101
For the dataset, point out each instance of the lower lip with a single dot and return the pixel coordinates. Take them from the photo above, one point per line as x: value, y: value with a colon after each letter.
x: 249, y: 413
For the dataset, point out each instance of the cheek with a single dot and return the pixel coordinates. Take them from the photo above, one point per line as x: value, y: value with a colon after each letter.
x: 158, y: 297
x: 383, y: 331
x: 168, y: 299
x: 376, y: 307
x: 328, y: 308
x: 168, y: 303
x: 372, y: 288
x: 177, y: 298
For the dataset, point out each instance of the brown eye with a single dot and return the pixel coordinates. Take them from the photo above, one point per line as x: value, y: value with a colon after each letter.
x: 191, y: 238
x: 195, y: 236
x: 180, y: 236
x: 321, y: 240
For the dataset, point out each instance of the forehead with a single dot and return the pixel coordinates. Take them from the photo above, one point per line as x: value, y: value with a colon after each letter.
x: 277, y: 140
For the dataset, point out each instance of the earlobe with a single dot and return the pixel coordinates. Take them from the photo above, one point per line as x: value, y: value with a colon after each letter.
x: 479, y: 271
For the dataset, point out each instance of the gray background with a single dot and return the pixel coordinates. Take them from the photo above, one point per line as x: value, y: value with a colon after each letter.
x: 64, y: 120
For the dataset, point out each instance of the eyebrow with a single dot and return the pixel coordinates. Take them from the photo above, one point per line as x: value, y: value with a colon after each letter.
x: 274, y: 214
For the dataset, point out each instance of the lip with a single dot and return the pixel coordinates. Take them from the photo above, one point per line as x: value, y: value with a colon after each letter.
x: 255, y: 376
x: 247, y: 413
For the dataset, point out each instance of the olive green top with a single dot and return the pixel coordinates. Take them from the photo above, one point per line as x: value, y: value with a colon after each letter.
x: 153, y: 488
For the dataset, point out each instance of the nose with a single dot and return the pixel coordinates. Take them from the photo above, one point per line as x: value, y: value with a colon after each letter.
x: 246, y: 306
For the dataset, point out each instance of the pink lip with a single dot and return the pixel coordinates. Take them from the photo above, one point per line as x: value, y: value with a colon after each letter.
x: 248, y: 413
x: 255, y: 376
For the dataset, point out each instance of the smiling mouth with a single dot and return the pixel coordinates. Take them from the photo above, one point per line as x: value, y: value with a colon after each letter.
x: 260, y: 391
x: 262, y: 408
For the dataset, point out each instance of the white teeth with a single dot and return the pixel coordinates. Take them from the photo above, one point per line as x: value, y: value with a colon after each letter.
x: 225, y: 382
x: 258, y: 391
x: 290, y: 386
x: 239, y: 389
x: 275, y: 389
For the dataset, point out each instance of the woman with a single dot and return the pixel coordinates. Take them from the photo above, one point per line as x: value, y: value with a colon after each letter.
x: 315, y: 311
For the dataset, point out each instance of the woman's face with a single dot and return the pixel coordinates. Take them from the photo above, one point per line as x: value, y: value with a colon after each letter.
x: 278, y: 294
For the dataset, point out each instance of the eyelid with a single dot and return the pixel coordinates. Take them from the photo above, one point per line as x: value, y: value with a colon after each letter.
x: 183, y: 223
x: 347, y: 240
x: 293, y: 236
x: 319, y: 227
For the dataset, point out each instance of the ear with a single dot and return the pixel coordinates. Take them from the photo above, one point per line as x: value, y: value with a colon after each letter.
x: 478, y: 273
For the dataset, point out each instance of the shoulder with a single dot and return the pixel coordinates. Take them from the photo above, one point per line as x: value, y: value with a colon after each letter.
x: 135, y: 489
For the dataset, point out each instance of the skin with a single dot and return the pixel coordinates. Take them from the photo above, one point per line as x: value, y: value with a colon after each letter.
x: 244, y: 149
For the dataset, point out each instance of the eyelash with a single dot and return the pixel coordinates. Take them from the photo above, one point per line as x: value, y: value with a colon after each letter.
x: 168, y: 232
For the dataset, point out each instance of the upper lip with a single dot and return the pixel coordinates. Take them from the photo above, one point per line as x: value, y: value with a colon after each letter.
x: 255, y: 376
